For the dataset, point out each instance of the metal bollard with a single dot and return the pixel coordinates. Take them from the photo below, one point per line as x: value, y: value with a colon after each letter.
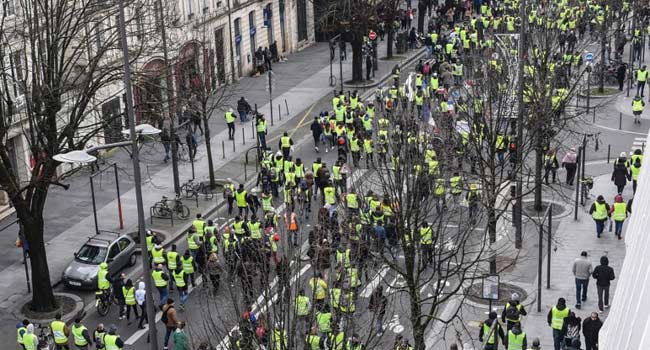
x: 252, y: 130
x: 286, y: 105
x: 245, y: 171
x: 271, y: 115
x: 643, y: 147
x: 233, y: 144
x: 223, y: 149
x: 279, y: 112
x: 620, y: 120
x: 609, y: 150
x: 243, y: 136
x: 594, y: 114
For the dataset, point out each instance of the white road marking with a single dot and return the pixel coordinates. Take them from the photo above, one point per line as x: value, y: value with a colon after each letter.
x: 375, y: 282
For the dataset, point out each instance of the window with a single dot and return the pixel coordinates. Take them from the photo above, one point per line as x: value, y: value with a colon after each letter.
x: 91, y: 254
x: 9, y: 7
x: 113, y: 251
x: 190, y: 14
x: 123, y: 243
x: 138, y: 23
x: 99, y: 35
x: 252, y: 30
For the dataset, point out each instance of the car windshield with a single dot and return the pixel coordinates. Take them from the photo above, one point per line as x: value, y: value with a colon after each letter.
x: 92, y: 254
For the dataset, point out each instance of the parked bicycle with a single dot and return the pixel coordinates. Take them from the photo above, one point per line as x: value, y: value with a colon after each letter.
x: 167, y: 207
x: 192, y: 189
x: 45, y: 338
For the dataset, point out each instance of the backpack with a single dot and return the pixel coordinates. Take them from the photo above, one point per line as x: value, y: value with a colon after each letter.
x: 164, y: 318
x: 637, y: 163
x: 273, y: 173
x: 426, y: 70
x: 512, y: 313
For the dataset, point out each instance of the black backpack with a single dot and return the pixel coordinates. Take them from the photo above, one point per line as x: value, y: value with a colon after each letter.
x: 164, y: 318
x: 512, y: 313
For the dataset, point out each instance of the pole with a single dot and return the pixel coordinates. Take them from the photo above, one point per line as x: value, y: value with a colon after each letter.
x: 192, y: 163
x: 584, y: 154
x: 609, y: 150
x: 23, y: 238
x: 548, y: 247
x: 253, y: 128
x: 520, y: 128
x: 620, y: 120
x: 243, y: 136
x: 286, y: 106
x: 341, y: 64
x: 578, y: 182
x: 170, y: 99
x: 92, y: 196
x: 223, y: 149
x: 270, y: 97
x: 539, y: 267
x: 259, y: 151
x: 588, y: 87
x: 119, y: 200
x: 279, y: 112
x: 151, y: 312
x: 331, y: 63
x: 233, y: 144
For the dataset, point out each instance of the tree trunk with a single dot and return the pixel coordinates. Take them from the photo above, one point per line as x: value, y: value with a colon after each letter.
x: 357, y: 60
x: 208, y: 149
x: 422, y: 9
x: 539, y: 164
x: 43, y: 295
x: 492, y: 232
x: 603, y: 42
x: 390, y: 40
x: 419, y: 342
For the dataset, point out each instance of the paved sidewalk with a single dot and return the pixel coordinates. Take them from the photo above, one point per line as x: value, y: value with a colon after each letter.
x: 301, y: 95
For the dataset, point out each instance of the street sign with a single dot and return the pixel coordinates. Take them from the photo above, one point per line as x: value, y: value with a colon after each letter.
x: 372, y: 35
x: 589, y: 57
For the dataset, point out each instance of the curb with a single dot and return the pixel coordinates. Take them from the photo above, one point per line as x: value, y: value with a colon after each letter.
x: 379, y: 81
x: 67, y: 318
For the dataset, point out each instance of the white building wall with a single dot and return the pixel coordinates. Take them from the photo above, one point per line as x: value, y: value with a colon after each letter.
x: 628, y: 325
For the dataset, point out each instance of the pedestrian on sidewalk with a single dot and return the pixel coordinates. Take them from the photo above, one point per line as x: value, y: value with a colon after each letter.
x: 486, y: 327
x: 600, y: 213
x: 180, y: 337
x: 129, y: 300
x: 118, y: 283
x: 140, y: 298
x: 230, y: 121
x: 620, y: 75
x: 582, y: 269
x: 641, y: 77
x: 513, y: 311
x: 21, y: 331
x: 590, y: 328
x: 555, y: 319
x: 620, y: 175
x: 571, y: 328
x: 316, y: 131
x: 550, y: 165
x: 637, y: 108
x: 261, y: 131
x: 603, y: 274
x: 516, y: 338
x: 377, y: 305
x: 569, y: 163
x: 635, y: 167
x: 618, y: 211
x: 243, y: 108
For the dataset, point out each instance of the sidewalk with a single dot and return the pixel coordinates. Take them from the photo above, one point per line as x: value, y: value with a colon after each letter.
x: 302, y: 90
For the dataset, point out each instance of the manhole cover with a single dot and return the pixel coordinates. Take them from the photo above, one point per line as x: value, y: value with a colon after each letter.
x: 474, y: 292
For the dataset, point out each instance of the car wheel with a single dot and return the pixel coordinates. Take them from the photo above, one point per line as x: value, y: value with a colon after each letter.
x: 132, y: 260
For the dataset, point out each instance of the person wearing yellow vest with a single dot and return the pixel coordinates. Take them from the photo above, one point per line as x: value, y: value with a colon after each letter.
x: 21, y: 331
x: 426, y: 242
x: 456, y: 185
x: 336, y: 339
x: 324, y: 321
x: 279, y: 337
x: 211, y: 238
x: 368, y: 149
x: 313, y: 341
x: 485, y: 331
x: 517, y: 339
x: 157, y: 255
x: 240, y: 198
x: 161, y: 282
x: 112, y: 340
x: 600, y: 213
x: 285, y: 144
x: 193, y: 241
x: 641, y: 77
x: 635, y: 168
x: 150, y: 240
x: 513, y: 311
x: 180, y: 279
x: 230, y: 121
x: 555, y: 320
x: 29, y: 339
x: 199, y: 225
x: 102, y: 277
x: 81, y: 336
x: 619, y: 211
x: 188, y: 266
x: 261, y: 131
x: 98, y: 336
x: 637, y: 108
x: 329, y: 195
x: 129, y: 300
x: 303, y: 307
x: 60, y: 332
x: 319, y: 289
x: 352, y: 203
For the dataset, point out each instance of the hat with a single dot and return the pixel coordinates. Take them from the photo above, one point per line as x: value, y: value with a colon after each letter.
x: 623, y: 154
x: 473, y: 186
x: 157, y: 246
x: 515, y: 296
x: 231, y: 110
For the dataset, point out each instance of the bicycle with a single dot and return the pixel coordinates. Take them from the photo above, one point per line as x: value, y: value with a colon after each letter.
x: 103, y: 301
x: 192, y: 189
x: 586, y: 184
x: 45, y: 338
x: 162, y: 209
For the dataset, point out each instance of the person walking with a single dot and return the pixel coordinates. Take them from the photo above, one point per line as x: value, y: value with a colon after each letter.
x: 316, y: 132
x: 140, y: 299
x: 600, y: 213
x: 230, y: 121
x: 620, y: 175
x: 170, y: 320
x: 618, y: 211
x: 571, y: 328
x: 98, y: 336
x: 582, y: 269
x: 555, y: 319
x: 603, y: 274
x: 516, y: 338
x: 620, y: 75
x: 81, y: 336
x: 637, y: 108
x: 129, y: 300
x: 112, y: 340
x: 60, y: 333
x: 569, y: 163
x: 261, y: 131
x: 377, y: 305
x: 485, y: 330
x: 590, y: 329
x: 513, y: 311
x: 285, y: 144
x: 180, y: 337
x: 641, y: 77
x: 21, y: 330
x: 550, y: 165
x: 243, y: 108
x: 30, y: 340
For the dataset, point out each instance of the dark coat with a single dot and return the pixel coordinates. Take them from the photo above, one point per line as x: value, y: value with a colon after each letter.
x: 603, y: 273
x: 590, y: 329
x: 620, y: 175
